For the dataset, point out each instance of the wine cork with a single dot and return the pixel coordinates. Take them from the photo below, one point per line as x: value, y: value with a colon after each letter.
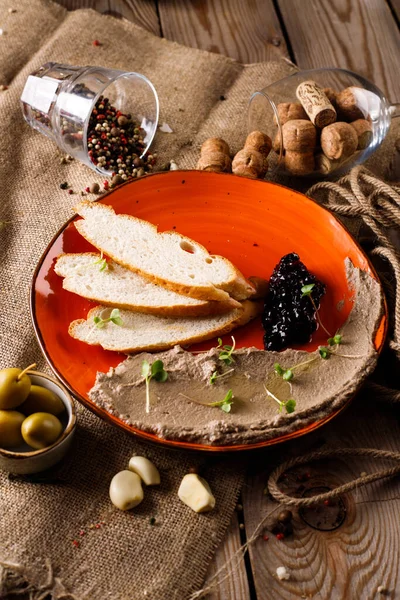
x: 324, y: 165
x: 363, y: 129
x: 299, y: 163
x: 316, y: 104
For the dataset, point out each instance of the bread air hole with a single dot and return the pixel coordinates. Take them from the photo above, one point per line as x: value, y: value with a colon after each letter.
x: 209, y: 261
x: 187, y: 247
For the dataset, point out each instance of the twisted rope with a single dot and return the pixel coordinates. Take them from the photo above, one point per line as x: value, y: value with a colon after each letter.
x: 358, y: 194
x: 361, y: 194
x: 279, y: 496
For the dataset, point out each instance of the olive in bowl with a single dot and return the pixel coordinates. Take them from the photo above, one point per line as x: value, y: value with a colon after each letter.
x: 49, y: 436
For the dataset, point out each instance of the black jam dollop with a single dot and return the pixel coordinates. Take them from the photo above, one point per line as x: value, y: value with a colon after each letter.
x: 289, y: 318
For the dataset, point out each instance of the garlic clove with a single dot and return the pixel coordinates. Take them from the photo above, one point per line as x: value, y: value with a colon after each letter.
x: 146, y: 470
x: 195, y: 492
x: 126, y: 490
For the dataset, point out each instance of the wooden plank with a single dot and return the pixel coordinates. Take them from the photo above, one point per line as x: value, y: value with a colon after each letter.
x: 247, y: 31
x: 360, y: 35
x: 235, y: 586
x: 346, y: 562
x: 395, y: 5
x: 142, y: 13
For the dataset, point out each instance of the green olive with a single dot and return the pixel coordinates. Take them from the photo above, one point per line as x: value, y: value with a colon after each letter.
x: 10, y: 428
x: 41, y: 430
x: 41, y: 399
x: 13, y: 388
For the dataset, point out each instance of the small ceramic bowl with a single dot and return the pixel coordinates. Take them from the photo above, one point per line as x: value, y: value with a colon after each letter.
x: 25, y: 460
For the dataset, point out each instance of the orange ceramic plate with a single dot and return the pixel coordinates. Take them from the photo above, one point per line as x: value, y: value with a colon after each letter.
x: 253, y: 223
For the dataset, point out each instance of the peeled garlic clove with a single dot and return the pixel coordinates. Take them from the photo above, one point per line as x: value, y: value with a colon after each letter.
x: 195, y: 492
x: 126, y: 490
x: 145, y: 469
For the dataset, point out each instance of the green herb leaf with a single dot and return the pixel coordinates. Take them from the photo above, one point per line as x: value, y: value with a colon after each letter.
x: 157, y: 367
x: 226, y: 354
x: 146, y: 369
x: 278, y: 369
x: 337, y: 339
x: 99, y: 322
x: 290, y: 405
x: 213, y: 378
x: 307, y: 289
x: 115, y: 317
x: 324, y: 352
x: 161, y: 376
x: 287, y: 375
x: 225, y: 404
x: 103, y: 265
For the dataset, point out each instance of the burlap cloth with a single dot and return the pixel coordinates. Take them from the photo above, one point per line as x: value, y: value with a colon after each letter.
x: 126, y: 557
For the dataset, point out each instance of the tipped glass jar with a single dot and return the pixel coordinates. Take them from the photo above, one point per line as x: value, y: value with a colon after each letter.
x: 321, y: 122
x: 103, y: 117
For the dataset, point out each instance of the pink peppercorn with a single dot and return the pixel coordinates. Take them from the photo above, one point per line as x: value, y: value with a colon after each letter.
x: 75, y: 543
x: 70, y: 191
x: 265, y: 538
x: 280, y: 536
x: 96, y: 43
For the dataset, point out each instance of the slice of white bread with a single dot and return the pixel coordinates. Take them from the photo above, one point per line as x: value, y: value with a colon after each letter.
x: 140, y: 332
x: 121, y: 288
x: 168, y: 258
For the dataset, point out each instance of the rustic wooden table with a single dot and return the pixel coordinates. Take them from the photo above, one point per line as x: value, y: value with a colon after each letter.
x: 363, y: 553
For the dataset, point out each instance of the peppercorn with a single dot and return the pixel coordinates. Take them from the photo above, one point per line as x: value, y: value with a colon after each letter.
x: 96, y: 43
x: 116, y: 180
x: 285, y: 516
x: 140, y: 172
x: 122, y: 121
x: 94, y: 188
x: 137, y: 162
x: 280, y: 536
x: 64, y: 185
x: 70, y: 192
x: 152, y: 520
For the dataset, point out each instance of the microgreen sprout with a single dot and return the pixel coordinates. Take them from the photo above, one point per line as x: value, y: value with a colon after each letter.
x: 113, y: 318
x: 336, y: 340
x: 102, y: 262
x: 286, y: 374
x: 155, y: 371
x: 306, y: 291
x: 324, y: 352
x: 224, y: 404
x: 289, y: 405
x: 226, y: 351
x: 215, y: 375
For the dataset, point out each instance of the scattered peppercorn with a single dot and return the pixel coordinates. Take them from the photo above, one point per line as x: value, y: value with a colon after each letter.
x: 70, y: 191
x: 116, y: 180
x: 96, y: 43
x: 241, y: 526
x: 82, y: 532
x: 285, y: 516
x: 64, y: 185
x: 63, y: 161
x: 152, y: 520
x: 75, y: 543
x: 265, y: 538
x: 280, y: 536
x: 222, y: 97
x: 327, y: 502
x: 94, y: 188
x: 87, y: 189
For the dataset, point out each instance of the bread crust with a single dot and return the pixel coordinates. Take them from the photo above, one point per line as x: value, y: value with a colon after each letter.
x: 204, y: 308
x: 237, y: 287
x: 250, y: 310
